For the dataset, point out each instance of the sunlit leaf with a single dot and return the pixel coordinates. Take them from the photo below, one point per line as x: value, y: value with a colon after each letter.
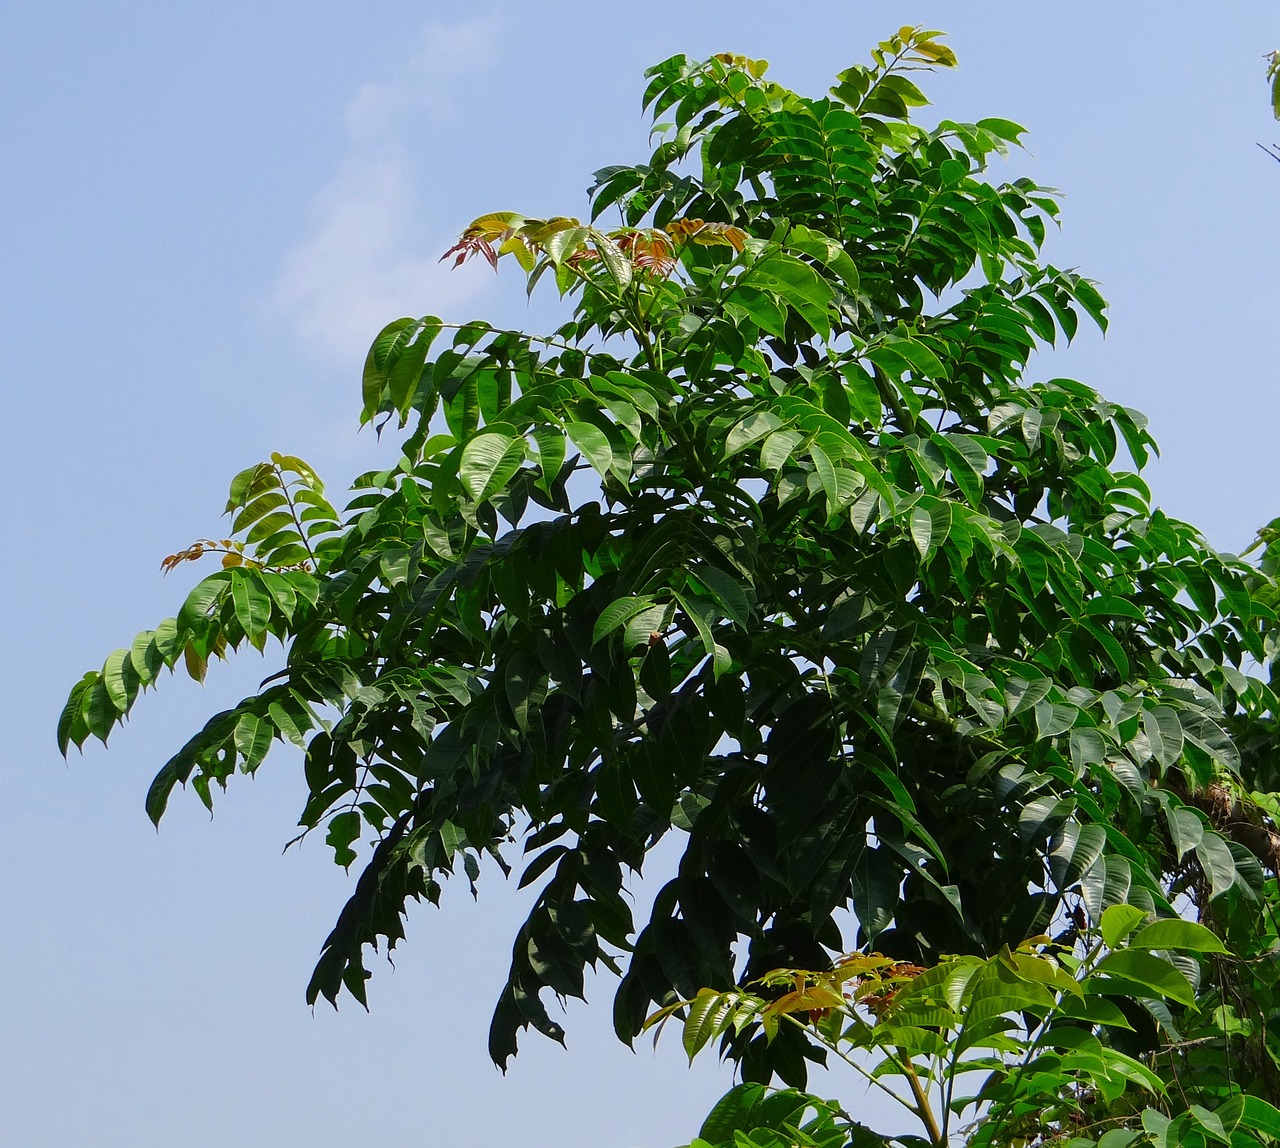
x: 1149, y: 971
x: 1189, y: 936
x: 488, y: 463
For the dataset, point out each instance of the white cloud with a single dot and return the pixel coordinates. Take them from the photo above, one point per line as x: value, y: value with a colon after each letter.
x: 444, y: 54
x: 365, y: 261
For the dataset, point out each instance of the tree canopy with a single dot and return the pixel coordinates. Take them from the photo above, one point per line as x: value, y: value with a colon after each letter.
x: 776, y: 546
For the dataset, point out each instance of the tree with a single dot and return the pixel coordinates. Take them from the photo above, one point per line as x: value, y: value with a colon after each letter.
x: 775, y: 545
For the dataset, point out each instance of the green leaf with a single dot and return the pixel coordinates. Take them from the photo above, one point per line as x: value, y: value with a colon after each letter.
x: 375, y: 365
x: 798, y: 285
x: 282, y: 593
x: 756, y: 426
x: 735, y: 1111
x: 253, y: 739
x: 120, y: 680
x: 71, y: 723
x: 840, y: 485
x: 275, y: 529
x: 875, y: 887
x: 489, y: 461
x: 1156, y: 1125
x: 1004, y: 129
x: 1261, y: 1116
x: 865, y: 403
x: 827, y: 251
x: 200, y: 603
x: 617, y: 614
x: 727, y: 591
x: 1164, y: 732
x: 1093, y: 303
x: 147, y: 656
x: 1186, y: 829
x: 1032, y: 421
x: 616, y: 263
x: 594, y: 445
x: 1053, y: 719
x: 1151, y: 972
x: 1088, y: 747
x: 967, y: 461
x: 1112, y: 606
x: 1096, y: 1010
x: 1188, y: 936
x: 761, y: 308
x: 290, y: 722
x: 344, y: 829
x: 567, y: 241
x: 98, y: 710
x: 1074, y: 849
x: 1210, y: 1122
x: 257, y: 509
x: 1118, y: 1138
x: 1023, y: 695
x: 405, y: 369
x: 251, y: 600
x: 1215, y: 859
x: 921, y: 529
x: 550, y: 443
x: 251, y: 482
x: 1042, y: 817
x: 707, y: 1012
x: 1118, y: 1064
x: 924, y: 365
x: 779, y: 447
x: 1118, y: 922
x: 700, y: 615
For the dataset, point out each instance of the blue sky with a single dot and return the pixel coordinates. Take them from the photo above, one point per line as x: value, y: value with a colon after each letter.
x: 208, y: 211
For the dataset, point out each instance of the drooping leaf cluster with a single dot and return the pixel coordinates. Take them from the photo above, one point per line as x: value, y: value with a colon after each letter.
x: 775, y: 545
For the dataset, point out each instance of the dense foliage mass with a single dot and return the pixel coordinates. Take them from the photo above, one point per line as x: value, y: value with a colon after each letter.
x: 775, y: 546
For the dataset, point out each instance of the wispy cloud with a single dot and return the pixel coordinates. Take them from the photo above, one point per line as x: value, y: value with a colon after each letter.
x: 366, y: 258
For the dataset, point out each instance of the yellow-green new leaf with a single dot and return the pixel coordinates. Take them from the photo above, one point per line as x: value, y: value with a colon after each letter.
x: 1118, y: 922
x: 707, y: 1013
x: 615, y: 262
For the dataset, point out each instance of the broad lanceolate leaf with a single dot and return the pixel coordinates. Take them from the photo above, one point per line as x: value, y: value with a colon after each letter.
x: 1150, y: 972
x: 489, y: 461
